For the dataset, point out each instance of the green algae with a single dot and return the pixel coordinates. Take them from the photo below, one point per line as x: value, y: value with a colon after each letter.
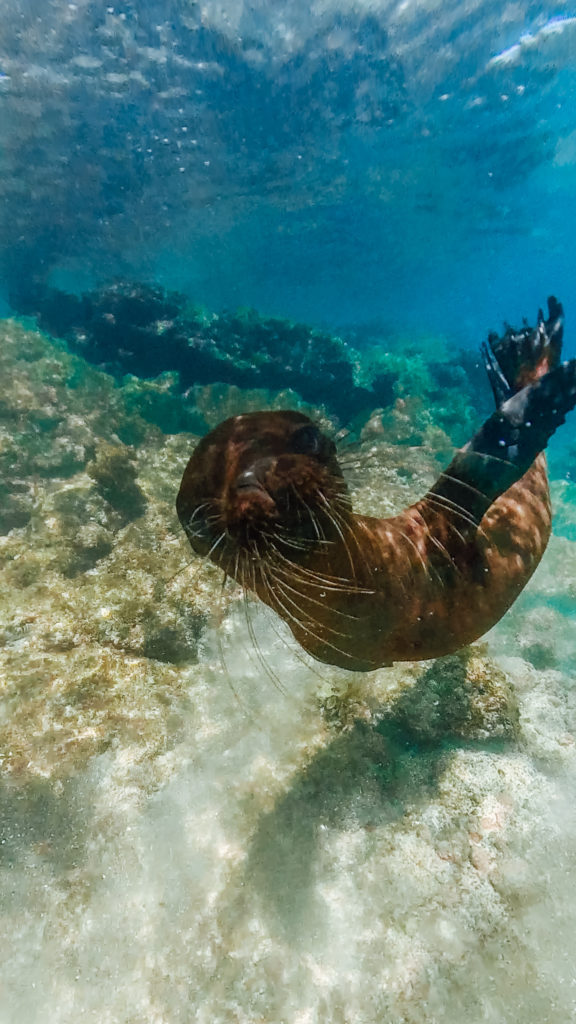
x: 90, y: 620
x: 114, y: 472
x: 465, y: 696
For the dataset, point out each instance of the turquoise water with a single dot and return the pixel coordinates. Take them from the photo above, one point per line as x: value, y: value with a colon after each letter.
x: 219, y: 208
x: 334, y: 163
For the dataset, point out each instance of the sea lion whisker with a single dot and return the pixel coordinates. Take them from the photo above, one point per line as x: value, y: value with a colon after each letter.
x: 344, y: 508
x: 294, y: 650
x: 256, y: 646
x: 196, y: 534
x: 262, y: 569
x: 333, y: 517
x: 439, y: 544
x: 444, y: 551
x: 201, y: 534
x: 216, y: 543
x: 302, y: 544
x: 322, y: 640
x: 447, y: 505
x: 416, y: 549
x: 312, y: 517
x: 286, y: 576
x: 183, y: 569
x: 278, y: 602
x: 299, y: 572
x: 244, y: 566
x: 444, y: 504
x: 464, y: 483
x: 336, y: 526
x: 323, y: 580
x: 287, y: 614
x: 214, y: 520
x: 486, y: 457
x: 463, y: 540
x: 205, y: 527
x: 225, y: 669
x: 357, y: 460
x: 345, y: 521
x: 198, y: 511
x: 330, y: 629
x: 328, y: 582
x: 440, y: 508
x: 200, y: 527
x: 236, y: 572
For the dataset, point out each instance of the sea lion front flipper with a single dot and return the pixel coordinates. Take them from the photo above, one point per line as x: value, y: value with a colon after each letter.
x: 508, y: 442
x: 520, y: 357
x: 501, y: 388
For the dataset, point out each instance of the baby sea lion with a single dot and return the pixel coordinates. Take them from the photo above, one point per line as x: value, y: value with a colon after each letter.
x: 264, y: 498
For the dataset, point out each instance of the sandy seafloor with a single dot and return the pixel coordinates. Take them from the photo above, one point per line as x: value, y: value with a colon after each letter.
x: 195, y: 827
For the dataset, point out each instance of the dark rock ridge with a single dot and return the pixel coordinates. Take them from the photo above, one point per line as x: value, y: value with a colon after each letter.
x: 142, y: 329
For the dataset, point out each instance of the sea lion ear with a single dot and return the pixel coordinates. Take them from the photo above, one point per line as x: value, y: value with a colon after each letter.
x: 309, y: 440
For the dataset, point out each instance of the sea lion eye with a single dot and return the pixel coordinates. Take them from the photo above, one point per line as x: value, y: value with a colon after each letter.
x: 308, y: 440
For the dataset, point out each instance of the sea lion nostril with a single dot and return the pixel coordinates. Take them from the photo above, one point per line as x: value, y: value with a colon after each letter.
x: 248, y: 481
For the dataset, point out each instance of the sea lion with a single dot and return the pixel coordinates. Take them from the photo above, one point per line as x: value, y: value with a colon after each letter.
x: 263, y: 497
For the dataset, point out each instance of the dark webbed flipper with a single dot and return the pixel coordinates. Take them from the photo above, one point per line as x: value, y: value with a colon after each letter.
x: 521, y: 357
x: 500, y: 387
x: 508, y: 442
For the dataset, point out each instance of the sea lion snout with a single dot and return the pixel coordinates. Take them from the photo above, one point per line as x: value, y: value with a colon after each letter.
x: 272, y: 490
x: 249, y: 507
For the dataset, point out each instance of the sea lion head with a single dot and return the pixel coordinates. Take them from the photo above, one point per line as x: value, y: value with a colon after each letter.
x: 261, y: 480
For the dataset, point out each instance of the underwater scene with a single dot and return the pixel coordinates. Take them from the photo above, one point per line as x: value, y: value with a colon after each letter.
x: 287, y: 604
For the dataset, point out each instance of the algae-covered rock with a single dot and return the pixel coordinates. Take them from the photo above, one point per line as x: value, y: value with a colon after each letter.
x: 464, y: 696
x: 142, y: 329
x: 98, y: 621
x: 114, y: 473
x: 135, y: 328
x: 160, y: 401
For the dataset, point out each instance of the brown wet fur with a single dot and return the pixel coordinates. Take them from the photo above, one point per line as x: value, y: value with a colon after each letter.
x: 356, y: 591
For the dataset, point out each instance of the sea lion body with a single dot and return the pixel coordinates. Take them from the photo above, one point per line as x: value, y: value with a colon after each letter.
x: 263, y: 497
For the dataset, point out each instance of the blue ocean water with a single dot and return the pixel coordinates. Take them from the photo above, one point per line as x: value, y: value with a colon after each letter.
x: 338, y: 163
